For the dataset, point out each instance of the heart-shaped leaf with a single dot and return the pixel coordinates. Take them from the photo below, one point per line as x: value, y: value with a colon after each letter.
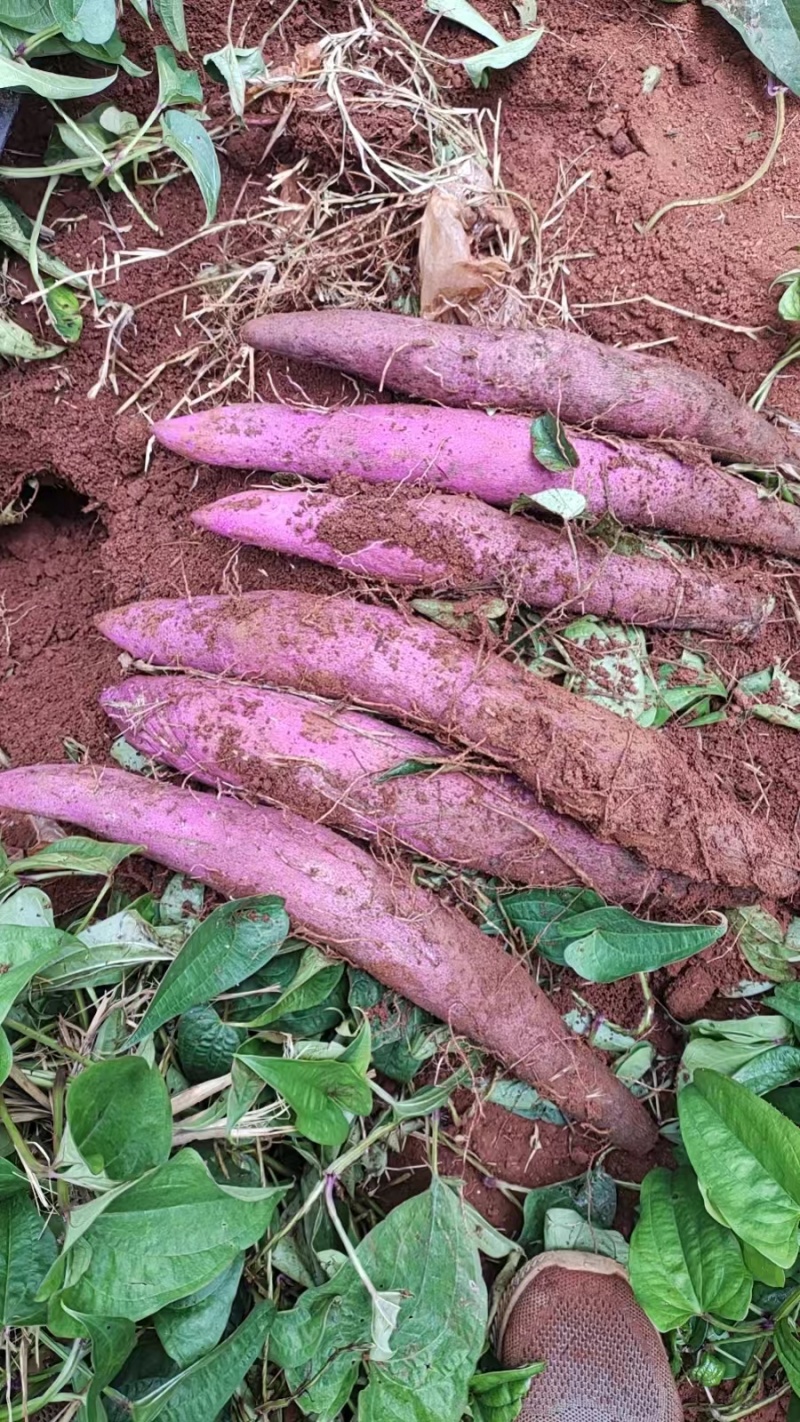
x: 682, y: 1262
x: 747, y: 1159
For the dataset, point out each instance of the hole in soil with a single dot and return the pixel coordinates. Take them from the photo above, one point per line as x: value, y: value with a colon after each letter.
x: 45, y: 498
x: 56, y: 501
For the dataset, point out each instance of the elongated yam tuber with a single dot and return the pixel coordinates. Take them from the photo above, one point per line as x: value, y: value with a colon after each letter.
x: 451, y: 542
x: 337, y: 894
x: 469, y: 452
x: 540, y: 370
x: 330, y: 765
x: 629, y: 785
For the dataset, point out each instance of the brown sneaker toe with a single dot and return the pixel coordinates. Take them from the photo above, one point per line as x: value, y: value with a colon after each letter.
x: 605, y: 1360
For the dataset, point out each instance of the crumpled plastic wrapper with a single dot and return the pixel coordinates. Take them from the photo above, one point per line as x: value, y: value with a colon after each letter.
x: 456, y: 281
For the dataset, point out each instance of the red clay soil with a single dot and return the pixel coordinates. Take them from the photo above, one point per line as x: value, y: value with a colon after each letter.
x: 577, y: 101
x: 105, y: 530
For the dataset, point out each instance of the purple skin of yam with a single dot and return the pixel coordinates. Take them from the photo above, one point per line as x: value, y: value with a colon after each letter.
x: 337, y: 894
x: 326, y: 763
x: 629, y: 785
x: 584, y: 382
x: 490, y: 456
x: 484, y: 547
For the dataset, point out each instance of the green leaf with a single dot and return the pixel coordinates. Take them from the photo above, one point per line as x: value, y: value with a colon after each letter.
x: 15, y: 342
x: 24, y: 952
x: 313, y: 982
x: 105, y: 951
x: 406, y: 767
x: 206, y: 1045
x: 634, y: 1064
x: 187, y: 137
x: 422, y: 1251
x: 113, y: 1340
x: 16, y: 230
x: 682, y: 1262
x: 622, y: 945
x: 762, y: 1270
x: 12, y: 1180
x: 782, y: 706
x: 789, y: 304
x: 678, y: 695
x: 771, y: 30
x: 175, y: 85
x: 489, y: 1240
x: 498, y: 1397
x: 542, y: 916
x: 727, y: 1046
x: 747, y: 1159
x: 16, y: 74
x: 787, y: 1347
x: 453, y: 616
x: 786, y: 1000
x: 462, y: 13
x: 786, y: 1099
x: 403, y: 1036
x: 120, y: 1118
x: 65, y: 312
x: 595, y: 1197
x: 566, y: 1229
x: 319, y: 1092
x: 551, y: 445
x: 234, y: 941
x: 200, y: 1393
x: 429, y: 1098
x: 27, y: 908
x: 6, y: 1057
x: 762, y: 942
x: 182, y: 901
x: 769, y: 1070
x: 193, y: 1326
x: 614, y: 670
x: 159, y: 1239
x: 30, y: 15
x: 535, y: 1206
x: 565, y: 503
x: 170, y: 13
x: 234, y: 67
x: 27, y: 1250
x: 311, y: 1008
x: 91, y: 20
x: 77, y: 855
x: 479, y: 66
x: 525, y: 1101
x: 764, y: 1030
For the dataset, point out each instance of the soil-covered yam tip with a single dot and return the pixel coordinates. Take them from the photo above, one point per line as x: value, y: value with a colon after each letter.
x: 629, y: 785
x: 451, y: 542
x: 606, y: 387
x: 336, y: 893
x: 490, y: 456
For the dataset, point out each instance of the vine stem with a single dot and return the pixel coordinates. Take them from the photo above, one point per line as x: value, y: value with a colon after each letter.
x: 733, y: 193
x: 31, y: 1164
x: 338, y: 1168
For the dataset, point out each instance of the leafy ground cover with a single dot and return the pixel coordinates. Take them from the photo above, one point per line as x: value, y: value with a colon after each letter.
x: 197, y: 1117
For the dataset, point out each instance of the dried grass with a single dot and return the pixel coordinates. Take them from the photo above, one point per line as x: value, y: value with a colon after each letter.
x: 368, y: 109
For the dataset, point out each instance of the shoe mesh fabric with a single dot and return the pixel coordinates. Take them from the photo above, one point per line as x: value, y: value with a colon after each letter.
x: 605, y: 1360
